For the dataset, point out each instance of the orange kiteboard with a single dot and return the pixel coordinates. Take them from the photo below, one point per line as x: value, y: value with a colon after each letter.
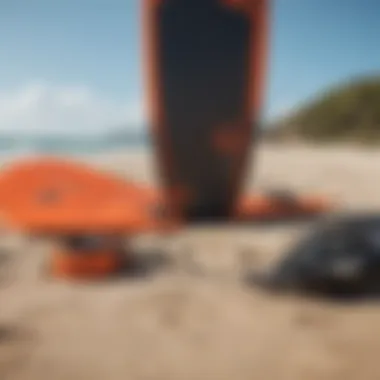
x: 88, y: 212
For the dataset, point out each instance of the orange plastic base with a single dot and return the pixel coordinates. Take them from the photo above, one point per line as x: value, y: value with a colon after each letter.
x: 85, y: 265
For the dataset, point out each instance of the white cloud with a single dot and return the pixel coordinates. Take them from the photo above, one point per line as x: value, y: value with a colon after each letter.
x: 43, y: 107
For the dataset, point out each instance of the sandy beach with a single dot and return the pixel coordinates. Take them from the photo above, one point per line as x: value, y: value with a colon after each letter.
x: 191, y: 317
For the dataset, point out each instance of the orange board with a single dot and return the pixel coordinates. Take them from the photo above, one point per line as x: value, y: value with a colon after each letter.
x: 48, y: 195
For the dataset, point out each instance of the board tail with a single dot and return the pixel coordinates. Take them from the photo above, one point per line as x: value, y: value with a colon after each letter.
x: 205, y: 62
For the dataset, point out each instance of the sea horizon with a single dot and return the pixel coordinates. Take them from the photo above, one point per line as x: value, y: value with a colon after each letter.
x: 21, y: 145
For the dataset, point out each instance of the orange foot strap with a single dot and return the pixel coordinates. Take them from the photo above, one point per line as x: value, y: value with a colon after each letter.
x: 88, y: 265
x: 84, y: 257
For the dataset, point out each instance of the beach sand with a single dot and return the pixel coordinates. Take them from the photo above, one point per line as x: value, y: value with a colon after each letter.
x: 192, y: 318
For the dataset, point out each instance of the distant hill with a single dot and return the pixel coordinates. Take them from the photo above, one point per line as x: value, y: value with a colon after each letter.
x: 346, y: 113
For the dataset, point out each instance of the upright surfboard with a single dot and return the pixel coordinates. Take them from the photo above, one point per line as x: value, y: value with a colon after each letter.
x: 205, y: 67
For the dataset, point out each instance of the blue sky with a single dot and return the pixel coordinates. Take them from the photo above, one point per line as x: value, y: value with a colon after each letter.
x: 89, y: 51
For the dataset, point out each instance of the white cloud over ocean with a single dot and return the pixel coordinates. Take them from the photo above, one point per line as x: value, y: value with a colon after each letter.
x: 44, y: 107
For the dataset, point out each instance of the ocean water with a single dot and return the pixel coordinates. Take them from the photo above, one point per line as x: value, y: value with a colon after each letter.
x: 24, y: 146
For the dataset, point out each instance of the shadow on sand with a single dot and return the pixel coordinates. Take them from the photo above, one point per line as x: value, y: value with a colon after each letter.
x: 144, y: 265
x: 147, y: 264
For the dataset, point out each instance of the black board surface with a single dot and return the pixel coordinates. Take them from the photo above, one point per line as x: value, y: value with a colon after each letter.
x: 206, y: 77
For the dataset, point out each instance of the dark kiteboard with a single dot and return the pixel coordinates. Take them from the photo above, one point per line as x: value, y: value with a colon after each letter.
x: 205, y: 68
